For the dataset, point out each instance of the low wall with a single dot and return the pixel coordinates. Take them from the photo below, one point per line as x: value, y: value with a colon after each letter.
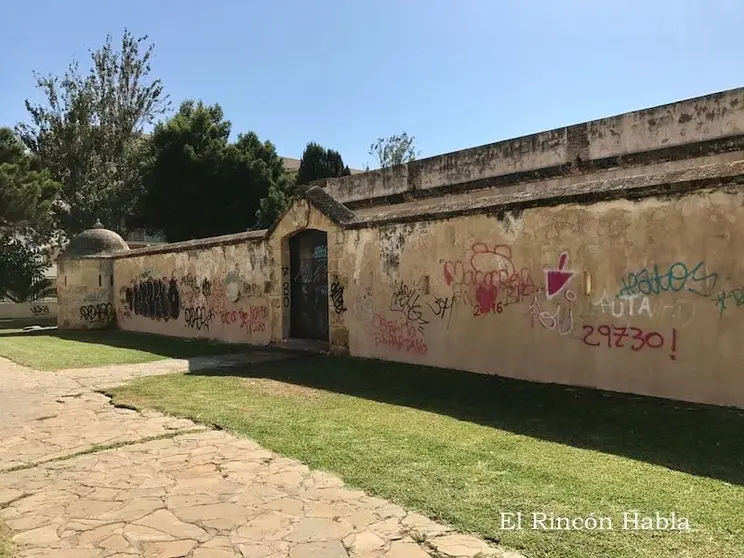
x: 214, y: 292
x: 28, y: 310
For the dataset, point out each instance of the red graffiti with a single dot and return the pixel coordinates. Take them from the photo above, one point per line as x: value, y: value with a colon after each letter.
x: 399, y: 335
x: 253, y: 320
x: 486, y: 296
x: 556, y: 279
x: 636, y: 338
x: 493, y: 273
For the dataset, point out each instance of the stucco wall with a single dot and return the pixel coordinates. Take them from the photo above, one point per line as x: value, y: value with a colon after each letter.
x: 642, y: 296
x: 220, y: 292
x: 682, y: 126
x: 41, y: 309
x: 85, y: 293
x: 648, y: 296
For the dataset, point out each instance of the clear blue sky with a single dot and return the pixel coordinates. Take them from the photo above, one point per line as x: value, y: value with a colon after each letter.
x: 454, y: 74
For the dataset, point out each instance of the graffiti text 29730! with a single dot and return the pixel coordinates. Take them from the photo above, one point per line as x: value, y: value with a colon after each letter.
x: 638, y: 339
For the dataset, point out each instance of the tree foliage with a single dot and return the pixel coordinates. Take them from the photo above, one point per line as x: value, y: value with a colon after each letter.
x: 22, y: 267
x: 318, y: 162
x: 27, y: 193
x: 394, y: 150
x: 198, y: 184
x: 88, y: 132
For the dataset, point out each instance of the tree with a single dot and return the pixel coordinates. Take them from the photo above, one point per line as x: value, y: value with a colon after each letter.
x: 22, y: 266
x: 198, y: 184
x: 89, y: 132
x: 394, y: 150
x: 318, y: 162
x: 27, y: 194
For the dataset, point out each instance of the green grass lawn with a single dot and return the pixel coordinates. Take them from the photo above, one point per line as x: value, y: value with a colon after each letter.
x: 54, y: 349
x: 463, y: 448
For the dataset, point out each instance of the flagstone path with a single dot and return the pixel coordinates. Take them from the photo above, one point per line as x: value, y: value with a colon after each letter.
x: 80, y: 478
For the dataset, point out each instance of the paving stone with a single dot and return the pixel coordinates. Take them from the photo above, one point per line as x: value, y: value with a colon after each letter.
x: 328, y: 549
x: 365, y: 542
x: 461, y: 546
x: 203, y: 494
x: 38, y: 537
x: 165, y: 521
x: 213, y: 553
x: 404, y: 549
x: 171, y: 549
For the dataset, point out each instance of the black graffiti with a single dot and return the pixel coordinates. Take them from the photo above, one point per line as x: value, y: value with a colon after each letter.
x: 337, y: 296
x: 97, y: 313
x: 285, y: 286
x: 206, y: 287
x: 405, y: 300
x: 39, y: 309
x: 158, y: 299
x: 198, y: 317
x: 442, y: 308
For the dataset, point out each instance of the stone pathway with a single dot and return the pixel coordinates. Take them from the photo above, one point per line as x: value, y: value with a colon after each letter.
x: 172, y: 488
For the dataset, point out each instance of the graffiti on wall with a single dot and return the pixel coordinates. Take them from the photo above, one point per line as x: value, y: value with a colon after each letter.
x: 337, y: 296
x: 157, y: 299
x: 442, y: 308
x: 95, y: 297
x: 198, y: 317
x: 285, y: 287
x: 491, y: 274
x: 681, y: 310
x: 237, y: 287
x: 398, y: 334
x: 637, y: 339
x: 97, y: 313
x: 733, y: 298
x: 556, y: 312
x: 406, y: 300
x: 677, y: 277
x: 559, y: 318
x: 39, y: 309
x: 252, y: 319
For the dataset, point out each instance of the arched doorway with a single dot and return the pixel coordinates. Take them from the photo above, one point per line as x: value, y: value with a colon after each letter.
x: 308, y: 267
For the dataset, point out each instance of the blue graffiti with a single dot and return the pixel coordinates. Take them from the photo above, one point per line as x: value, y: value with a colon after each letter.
x: 676, y: 278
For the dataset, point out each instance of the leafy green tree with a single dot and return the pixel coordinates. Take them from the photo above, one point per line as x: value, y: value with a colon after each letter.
x: 27, y: 193
x: 89, y: 131
x: 318, y: 162
x: 22, y: 267
x: 394, y: 150
x: 198, y: 184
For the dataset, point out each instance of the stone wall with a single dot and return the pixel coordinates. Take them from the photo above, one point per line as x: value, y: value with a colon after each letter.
x: 209, y: 291
x: 710, y: 126
x: 644, y: 297
x: 40, y: 309
x: 85, y: 293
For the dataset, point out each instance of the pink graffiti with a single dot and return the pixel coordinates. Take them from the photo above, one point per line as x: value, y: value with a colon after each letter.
x: 493, y: 273
x: 557, y: 279
x: 398, y: 335
x: 253, y: 320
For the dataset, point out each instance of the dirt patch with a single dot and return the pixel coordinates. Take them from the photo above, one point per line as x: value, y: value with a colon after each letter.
x: 274, y: 387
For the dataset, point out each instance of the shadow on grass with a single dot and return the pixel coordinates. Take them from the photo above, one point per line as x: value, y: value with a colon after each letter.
x: 697, y: 439
x: 168, y: 347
